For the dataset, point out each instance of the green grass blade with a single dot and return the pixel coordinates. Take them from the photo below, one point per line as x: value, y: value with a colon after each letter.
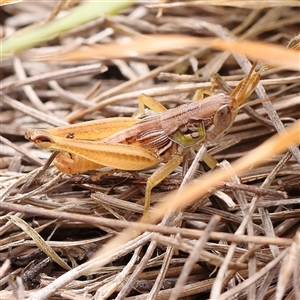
x: 79, y: 15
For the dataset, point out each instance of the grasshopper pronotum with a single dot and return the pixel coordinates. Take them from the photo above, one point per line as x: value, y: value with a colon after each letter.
x: 129, y: 143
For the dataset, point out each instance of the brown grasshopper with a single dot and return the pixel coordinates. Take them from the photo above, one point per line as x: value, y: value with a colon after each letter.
x: 129, y: 143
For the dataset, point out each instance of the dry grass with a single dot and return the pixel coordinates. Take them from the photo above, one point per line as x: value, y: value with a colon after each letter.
x: 238, y: 240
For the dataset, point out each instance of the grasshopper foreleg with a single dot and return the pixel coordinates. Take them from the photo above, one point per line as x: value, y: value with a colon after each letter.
x: 199, y: 94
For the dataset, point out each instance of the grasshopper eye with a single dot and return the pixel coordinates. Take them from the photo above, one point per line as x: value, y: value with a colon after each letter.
x: 223, y: 117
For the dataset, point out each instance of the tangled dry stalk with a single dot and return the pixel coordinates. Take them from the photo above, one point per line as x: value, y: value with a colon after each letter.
x: 240, y: 240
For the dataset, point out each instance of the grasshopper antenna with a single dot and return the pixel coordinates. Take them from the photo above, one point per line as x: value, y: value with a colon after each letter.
x: 245, y: 88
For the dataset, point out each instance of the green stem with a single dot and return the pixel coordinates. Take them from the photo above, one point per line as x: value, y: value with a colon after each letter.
x: 79, y: 15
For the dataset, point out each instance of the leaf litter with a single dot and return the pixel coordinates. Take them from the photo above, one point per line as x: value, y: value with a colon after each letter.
x: 239, y: 239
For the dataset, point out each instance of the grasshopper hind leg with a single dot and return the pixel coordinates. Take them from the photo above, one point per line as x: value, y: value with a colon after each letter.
x: 69, y: 163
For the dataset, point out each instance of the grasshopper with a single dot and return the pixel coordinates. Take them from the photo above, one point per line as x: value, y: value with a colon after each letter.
x: 131, y: 143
